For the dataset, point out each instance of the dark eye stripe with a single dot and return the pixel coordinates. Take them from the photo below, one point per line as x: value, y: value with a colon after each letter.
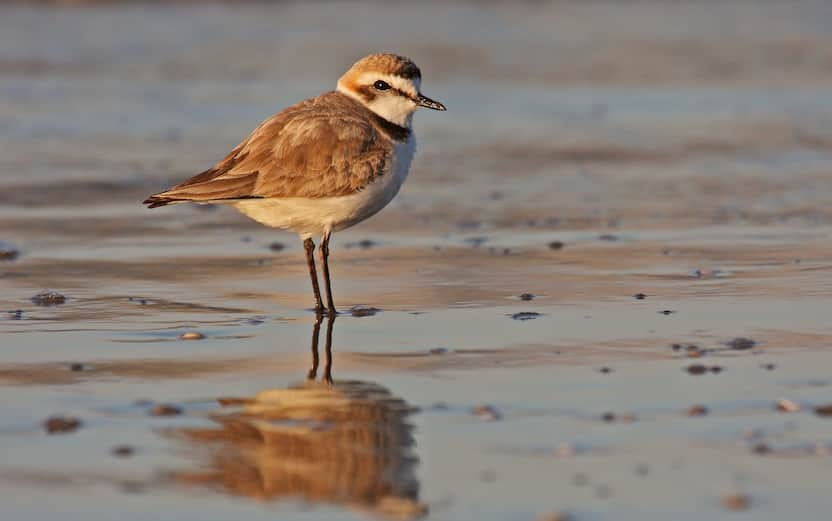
x: 369, y: 93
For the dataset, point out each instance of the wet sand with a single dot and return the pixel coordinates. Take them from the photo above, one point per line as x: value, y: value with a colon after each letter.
x: 611, y: 201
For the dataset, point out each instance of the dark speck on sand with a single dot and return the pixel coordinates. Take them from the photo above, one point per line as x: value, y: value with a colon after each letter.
x: 8, y: 252
x: 364, y: 244
x: 824, y: 410
x: 61, y: 424
x: 122, y: 451
x: 48, y: 298
x: 525, y: 315
x: 363, y: 311
x: 165, y: 409
x: 696, y: 369
x: 741, y: 343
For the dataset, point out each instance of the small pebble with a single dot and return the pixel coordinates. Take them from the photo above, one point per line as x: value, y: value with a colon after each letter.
x: 277, y: 246
x: 761, y: 448
x: 438, y: 350
x: 824, y: 410
x: 736, y: 502
x: 363, y: 311
x: 769, y: 367
x: 364, y: 244
x: 696, y: 410
x: 16, y: 314
x: 8, y: 252
x: 76, y: 367
x: 608, y: 417
x: 666, y: 312
x: 715, y: 369
x: 605, y: 370
x: 191, y: 335
x: 165, y: 409
x: 526, y: 296
x: 61, y: 424
x: 642, y: 469
x: 639, y: 296
x: 696, y: 369
x: 741, y: 343
x: 786, y: 405
x: 486, y: 413
x: 608, y: 237
x: 48, y: 298
x: 122, y: 451
x: 556, y: 245
x: 525, y: 315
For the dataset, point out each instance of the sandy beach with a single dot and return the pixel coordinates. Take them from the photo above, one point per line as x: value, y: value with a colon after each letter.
x: 603, y: 293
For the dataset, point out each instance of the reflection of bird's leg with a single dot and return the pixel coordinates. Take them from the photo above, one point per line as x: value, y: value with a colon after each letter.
x: 328, y: 367
x: 327, y: 284
x: 309, y: 247
x: 313, y: 371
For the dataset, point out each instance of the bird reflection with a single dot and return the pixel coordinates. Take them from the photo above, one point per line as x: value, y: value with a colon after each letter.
x: 347, y: 443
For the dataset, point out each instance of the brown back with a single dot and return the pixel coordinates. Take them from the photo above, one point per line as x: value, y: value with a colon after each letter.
x: 326, y: 146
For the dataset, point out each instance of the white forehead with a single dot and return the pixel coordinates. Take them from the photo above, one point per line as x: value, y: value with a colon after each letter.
x: 408, y: 85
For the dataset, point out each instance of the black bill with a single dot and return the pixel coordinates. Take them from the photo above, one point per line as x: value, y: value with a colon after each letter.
x: 424, y: 101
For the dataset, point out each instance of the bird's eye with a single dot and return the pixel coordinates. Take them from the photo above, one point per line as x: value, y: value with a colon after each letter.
x: 381, y: 85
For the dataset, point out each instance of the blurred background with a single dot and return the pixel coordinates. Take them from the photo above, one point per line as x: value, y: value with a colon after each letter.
x: 592, y: 151
x: 644, y: 112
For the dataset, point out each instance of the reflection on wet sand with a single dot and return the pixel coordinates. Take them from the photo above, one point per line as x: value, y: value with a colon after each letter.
x: 346, y: 443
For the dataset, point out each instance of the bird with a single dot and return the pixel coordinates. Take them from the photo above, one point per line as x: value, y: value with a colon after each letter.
x: 323, y: 164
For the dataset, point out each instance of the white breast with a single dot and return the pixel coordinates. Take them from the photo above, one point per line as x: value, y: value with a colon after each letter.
x: 310, y: 217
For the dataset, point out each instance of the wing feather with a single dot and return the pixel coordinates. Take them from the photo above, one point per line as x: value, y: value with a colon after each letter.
x: 323, y: 147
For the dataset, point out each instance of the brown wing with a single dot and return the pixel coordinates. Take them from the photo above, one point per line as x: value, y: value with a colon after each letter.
x: 323, y: 147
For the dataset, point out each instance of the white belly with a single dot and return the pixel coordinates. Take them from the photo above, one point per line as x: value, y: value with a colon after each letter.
x: 309, y: 217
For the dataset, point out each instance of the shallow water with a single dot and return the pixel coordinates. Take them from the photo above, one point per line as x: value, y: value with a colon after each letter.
x: 688, y: 163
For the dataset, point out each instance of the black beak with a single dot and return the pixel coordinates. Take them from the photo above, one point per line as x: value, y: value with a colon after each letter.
x: 424, y: 101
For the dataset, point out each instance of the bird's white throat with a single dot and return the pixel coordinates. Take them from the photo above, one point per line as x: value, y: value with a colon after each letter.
x: 396, y: 109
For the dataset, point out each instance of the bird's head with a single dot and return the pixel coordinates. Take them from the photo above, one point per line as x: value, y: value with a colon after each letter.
x: 388, y: 85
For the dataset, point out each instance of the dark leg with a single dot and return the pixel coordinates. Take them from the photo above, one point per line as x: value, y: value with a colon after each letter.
x: 309, y: 246
x: 328, y: 367
x: 316, y: 332
x: 325, y: 259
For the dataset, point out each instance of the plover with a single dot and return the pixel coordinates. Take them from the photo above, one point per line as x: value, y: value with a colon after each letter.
x: 324, y: 164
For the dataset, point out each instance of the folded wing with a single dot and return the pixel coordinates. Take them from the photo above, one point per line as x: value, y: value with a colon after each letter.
x: 323, y: 147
